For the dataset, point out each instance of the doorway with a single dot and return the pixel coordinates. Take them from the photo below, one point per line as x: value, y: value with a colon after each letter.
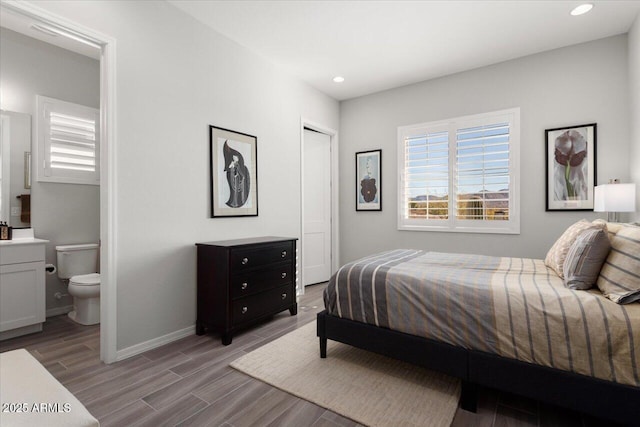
x: 69, y: 31
x: 319, y: 225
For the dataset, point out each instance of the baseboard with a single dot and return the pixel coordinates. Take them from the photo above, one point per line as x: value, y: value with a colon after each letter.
x: 56, y: 311
x: 125, y: 353
x: 12, y: 333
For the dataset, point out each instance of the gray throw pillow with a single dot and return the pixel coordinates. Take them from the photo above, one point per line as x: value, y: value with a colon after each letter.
x: 585, y: 258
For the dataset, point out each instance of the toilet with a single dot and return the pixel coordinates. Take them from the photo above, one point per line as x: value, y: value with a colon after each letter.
x: 78, y: 265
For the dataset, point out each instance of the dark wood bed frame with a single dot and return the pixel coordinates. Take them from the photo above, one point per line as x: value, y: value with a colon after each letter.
x: 608, y: 400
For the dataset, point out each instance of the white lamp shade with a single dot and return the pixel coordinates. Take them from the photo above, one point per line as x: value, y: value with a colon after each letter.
x: 615, y: 198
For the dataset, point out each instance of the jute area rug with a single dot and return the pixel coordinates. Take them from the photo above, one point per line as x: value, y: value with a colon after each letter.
x: 368, y: 388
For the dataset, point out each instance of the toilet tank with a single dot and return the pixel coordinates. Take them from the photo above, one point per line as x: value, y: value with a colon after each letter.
x: 77, y: 259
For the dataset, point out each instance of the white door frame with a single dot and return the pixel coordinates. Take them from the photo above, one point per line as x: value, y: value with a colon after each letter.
x: 108, y: 187
x: 335, y: 246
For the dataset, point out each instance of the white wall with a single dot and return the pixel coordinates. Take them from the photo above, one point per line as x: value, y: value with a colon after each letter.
x: 571, y: 86
x: 175, y: 77
x: 634, y: 90
x: 60, y: 213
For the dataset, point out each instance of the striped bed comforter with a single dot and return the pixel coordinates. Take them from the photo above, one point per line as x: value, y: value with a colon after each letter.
x: 512, y: 307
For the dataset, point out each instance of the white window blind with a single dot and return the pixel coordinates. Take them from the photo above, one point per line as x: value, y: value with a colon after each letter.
x: 482, y: 172
x: 426, y: 163
x: 73, y: 142
x: 460, y: 174
x: 69, y: 142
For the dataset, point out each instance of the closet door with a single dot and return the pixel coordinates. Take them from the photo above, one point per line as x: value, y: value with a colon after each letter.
x: 317, y: 207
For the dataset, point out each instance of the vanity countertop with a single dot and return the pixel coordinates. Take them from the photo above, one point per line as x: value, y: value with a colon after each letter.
x: 22, y: 236
x: 26, y: 241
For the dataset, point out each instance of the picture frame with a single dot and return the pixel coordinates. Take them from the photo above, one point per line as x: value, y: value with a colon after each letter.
x: 369, y: 180
x: 570, y: 167
x: 233, y: 161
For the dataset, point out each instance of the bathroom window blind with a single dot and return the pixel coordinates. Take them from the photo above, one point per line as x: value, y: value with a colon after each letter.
x: 69, y: 136
x: 460, y: 174
x: 72, y: 142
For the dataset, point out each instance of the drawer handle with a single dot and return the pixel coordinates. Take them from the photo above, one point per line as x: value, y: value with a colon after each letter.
x: 284, y: 275
x: 244, y: 286
x: 284, y: 254
x: 245, y: 261
x: 284, y: 296
x: 244, y: 310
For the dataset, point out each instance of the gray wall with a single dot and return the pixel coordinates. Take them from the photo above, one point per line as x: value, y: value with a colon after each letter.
x: 175, y: 77
x: 60, y: 213
x: 634, y: 90
x: 575, y: 85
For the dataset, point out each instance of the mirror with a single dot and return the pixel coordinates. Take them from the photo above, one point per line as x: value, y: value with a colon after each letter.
x: 15, y: 168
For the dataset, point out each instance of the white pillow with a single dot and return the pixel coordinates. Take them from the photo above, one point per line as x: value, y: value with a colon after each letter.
x: 619, y: 278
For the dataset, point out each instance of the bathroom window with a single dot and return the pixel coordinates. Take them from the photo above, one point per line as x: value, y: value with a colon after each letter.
x: 68, y: 142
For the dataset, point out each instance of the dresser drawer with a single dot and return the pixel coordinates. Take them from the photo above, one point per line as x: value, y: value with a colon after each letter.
x: 248, y: 258
x: 264, y: 303
x: 260, y: 280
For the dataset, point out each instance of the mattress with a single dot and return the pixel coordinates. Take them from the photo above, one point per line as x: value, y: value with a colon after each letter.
x: 511, y: 307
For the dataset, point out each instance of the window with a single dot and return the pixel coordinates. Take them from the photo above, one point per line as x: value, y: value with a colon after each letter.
x: 68, y: 142
x: 460, y: 174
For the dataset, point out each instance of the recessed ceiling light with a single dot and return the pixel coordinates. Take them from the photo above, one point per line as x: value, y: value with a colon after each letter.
x: 582, y: 9
x: 338, y: 79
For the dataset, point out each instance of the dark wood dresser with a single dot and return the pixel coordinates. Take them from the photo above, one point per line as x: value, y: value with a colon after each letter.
x: 242, y: 281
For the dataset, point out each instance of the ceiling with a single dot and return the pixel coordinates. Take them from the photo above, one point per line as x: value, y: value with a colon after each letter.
x: 378, y: 45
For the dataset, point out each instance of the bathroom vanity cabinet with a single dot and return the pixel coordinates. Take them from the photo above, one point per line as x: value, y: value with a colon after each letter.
x: 22, y: 287
x: 243, y: 281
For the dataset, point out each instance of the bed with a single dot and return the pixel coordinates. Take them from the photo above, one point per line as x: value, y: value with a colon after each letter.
x: 506, y: 323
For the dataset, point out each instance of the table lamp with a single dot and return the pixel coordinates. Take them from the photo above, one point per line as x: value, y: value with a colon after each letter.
x: 613, y: 198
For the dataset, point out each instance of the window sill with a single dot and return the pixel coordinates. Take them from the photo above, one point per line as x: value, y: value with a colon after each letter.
x: 448, y: 229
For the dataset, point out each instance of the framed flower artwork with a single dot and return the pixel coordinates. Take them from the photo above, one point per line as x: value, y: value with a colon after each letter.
x: 570, y: 167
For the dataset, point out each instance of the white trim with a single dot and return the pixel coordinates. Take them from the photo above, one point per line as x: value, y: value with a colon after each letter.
x: 57, y: 311
x: 335, y: 246
x: 125, y: 353
x: 108, y: 205
x: 108, y: 167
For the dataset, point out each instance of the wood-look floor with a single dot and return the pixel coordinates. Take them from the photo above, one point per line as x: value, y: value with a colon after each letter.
x: 190, y: 383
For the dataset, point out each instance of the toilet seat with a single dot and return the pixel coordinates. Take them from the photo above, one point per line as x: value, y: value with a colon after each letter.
x: 91, y: 279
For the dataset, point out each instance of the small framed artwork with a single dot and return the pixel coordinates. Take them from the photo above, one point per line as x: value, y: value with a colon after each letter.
x: 369, y: 180
x: 234, y: 173
x: 570, y: 167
